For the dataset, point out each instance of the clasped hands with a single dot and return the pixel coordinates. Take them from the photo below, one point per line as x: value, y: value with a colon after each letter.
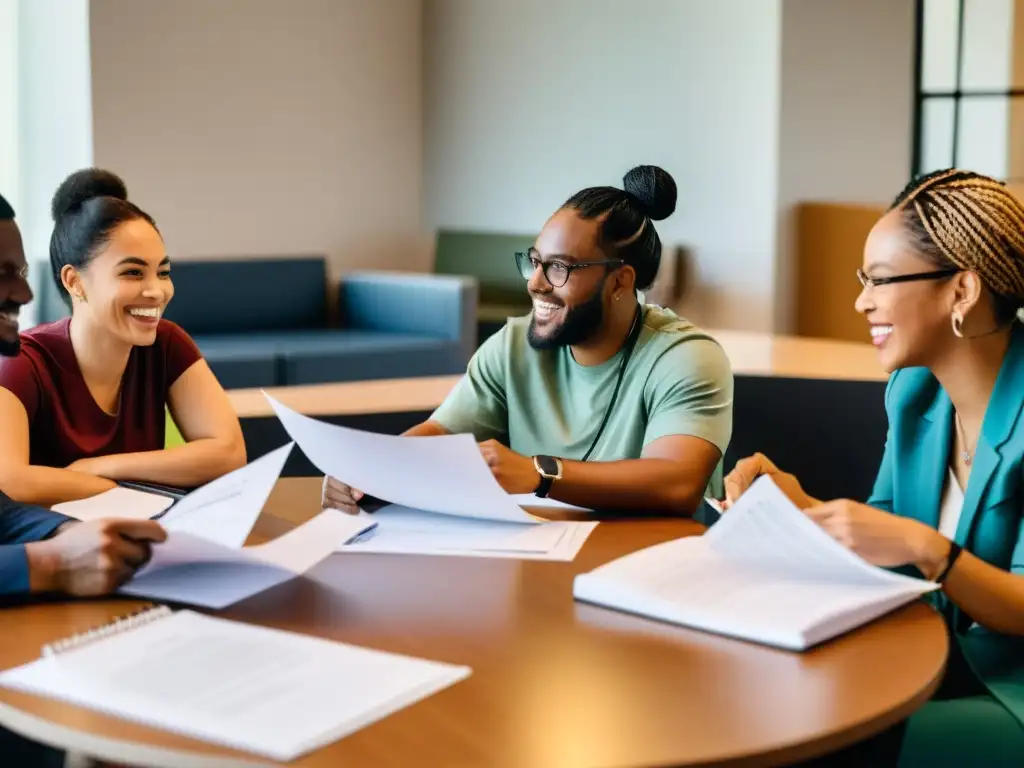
x: 880, y: 537
x: 514, y: 472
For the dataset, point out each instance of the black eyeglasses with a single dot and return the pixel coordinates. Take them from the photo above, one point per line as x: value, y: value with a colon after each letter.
x: 874, y: 281
x: 555, y: 272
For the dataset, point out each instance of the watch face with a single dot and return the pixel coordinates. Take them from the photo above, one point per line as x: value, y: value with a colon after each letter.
x: 548, y: 465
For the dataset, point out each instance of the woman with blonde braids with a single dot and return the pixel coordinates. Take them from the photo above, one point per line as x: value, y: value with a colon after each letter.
x: 943, y: 279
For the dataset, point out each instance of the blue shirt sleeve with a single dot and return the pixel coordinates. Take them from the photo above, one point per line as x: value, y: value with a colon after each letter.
x: 20, y: 524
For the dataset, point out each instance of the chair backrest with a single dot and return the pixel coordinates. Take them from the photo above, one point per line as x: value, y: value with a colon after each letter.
x: 48, y: 302
x: 487, y: 256
x: 259, y: 294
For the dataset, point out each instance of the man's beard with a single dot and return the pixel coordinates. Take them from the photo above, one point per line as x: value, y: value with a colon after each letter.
x: 580, y: 324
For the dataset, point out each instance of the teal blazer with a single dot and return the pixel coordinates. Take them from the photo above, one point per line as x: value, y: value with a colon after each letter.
x: 911, y: 480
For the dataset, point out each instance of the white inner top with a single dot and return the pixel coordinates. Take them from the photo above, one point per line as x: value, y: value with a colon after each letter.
x: 952, y: 505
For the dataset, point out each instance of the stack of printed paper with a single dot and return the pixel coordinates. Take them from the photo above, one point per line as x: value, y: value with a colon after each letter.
x: 444, y: 498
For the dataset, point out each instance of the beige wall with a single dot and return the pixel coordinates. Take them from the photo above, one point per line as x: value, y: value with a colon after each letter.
x: 54, y: 116
x: 260, y: 127
x: 845, y: 115
x: 527, y: 101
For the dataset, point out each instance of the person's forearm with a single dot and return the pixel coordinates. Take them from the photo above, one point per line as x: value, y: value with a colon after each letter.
x: 43, y: 567
x: 426, y: 429
x: 184, y: 466
x: 640, y: 485
x: 991, y: 596
x: 46, y: 486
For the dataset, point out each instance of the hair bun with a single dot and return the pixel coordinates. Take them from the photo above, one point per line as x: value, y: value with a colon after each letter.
x: 82, y: 186
x: 654, y: 189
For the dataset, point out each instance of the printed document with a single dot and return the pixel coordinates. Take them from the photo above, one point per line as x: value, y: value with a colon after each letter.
x: 764, y: 572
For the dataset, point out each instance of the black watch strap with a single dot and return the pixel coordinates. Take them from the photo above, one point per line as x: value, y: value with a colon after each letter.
x: 549, y: 469
x: 544, y: 488
x: 954, y: 554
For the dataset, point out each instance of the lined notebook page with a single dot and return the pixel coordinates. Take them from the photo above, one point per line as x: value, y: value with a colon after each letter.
x: 270, y: 692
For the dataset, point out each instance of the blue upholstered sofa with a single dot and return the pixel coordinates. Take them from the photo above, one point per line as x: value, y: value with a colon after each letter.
x: 268, y: 322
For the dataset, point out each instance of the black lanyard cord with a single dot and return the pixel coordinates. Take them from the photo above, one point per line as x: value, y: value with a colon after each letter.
x: 634, y: 335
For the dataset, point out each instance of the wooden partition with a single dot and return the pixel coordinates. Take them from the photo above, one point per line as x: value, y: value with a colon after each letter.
x: 830, y: 248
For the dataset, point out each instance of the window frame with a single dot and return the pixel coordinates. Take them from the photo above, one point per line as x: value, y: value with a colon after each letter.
x: 957, y: 95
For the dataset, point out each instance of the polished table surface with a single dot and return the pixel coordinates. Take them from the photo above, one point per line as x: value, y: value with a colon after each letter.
x: 554, y: 683
x: 751, y: 354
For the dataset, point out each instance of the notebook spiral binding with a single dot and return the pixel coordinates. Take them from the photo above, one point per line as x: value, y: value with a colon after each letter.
x: 112, y: 627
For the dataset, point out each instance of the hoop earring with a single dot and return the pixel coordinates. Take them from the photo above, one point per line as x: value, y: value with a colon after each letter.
x: 958, y: 325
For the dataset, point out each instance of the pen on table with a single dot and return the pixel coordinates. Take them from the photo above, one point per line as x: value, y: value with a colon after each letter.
x: 363, y: 535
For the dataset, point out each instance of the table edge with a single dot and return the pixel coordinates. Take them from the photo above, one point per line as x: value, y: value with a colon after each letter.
x: 64, y: 738
x: 836, y: 740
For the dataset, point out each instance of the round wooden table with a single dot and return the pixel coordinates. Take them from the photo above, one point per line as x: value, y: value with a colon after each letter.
x: 555, y: 682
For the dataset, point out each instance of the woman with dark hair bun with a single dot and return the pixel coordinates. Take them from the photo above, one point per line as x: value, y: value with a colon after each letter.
x: 83, y: 403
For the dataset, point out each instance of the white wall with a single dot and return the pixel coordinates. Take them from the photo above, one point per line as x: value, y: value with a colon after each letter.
x: 10, y: 180
x: 845, y: 112
x: 263, y: 127
x: 526, y: 102
x: 54, y: 115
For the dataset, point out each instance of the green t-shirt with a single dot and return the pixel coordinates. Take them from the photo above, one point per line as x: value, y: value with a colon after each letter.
x: 678, y: 382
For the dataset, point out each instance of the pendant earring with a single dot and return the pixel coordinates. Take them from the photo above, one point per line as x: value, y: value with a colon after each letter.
x: 958, y: 325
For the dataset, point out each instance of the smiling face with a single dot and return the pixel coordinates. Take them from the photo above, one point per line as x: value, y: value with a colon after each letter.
x: 14, y: 289
x: 127, y: 284
x: 572, y: 313
x: 909, y: 321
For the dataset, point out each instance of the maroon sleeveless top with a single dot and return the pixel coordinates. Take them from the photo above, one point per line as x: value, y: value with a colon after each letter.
x: 65, y: 422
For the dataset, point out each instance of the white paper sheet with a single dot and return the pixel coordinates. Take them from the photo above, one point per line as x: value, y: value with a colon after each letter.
x: 531, y: 500
x: 266, y: 691
x: 765, y: 528
x: 444, y: 475
x: 765, y: 571
x: 225, y: 510
x: 117, y: 502
x: 192, y: 570
x: 413, y: 532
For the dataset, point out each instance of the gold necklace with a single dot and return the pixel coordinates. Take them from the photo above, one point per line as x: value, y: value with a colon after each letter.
x: 966, y: 455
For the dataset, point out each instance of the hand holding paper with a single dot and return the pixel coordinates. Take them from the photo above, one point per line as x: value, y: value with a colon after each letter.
x: 764, y: 572
x: 445, y: 475
x: 201, y: 562
x: 92, y: 557
x: 195, y: 571
x: 225, y: 510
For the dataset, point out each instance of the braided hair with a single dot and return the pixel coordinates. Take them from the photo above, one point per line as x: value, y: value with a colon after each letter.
x: 963, y: 220
x: 627, y: 218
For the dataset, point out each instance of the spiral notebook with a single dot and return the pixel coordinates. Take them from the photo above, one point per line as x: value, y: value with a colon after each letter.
x: 270, y: 692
